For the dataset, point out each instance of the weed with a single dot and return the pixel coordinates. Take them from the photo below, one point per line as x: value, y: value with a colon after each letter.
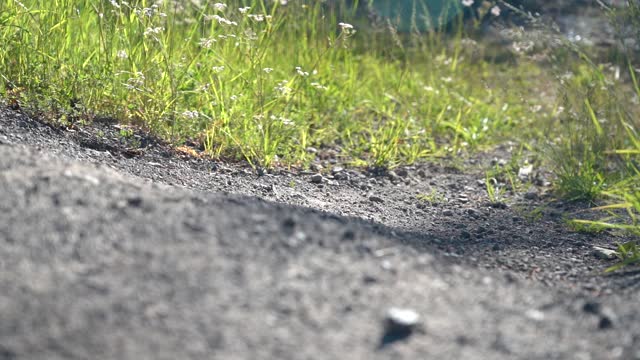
x: 494, y: 191
x: 432, y: 198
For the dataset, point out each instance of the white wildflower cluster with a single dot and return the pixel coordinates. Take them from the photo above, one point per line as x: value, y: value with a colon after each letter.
x: 218, y: 69
x: 122, y: 54
x: 259, y: 17
x: 219, y: 6
x: 135, y: 82
x: 267, y: 70
x: 283, y: 88
x: 206, y: 43
x: 221, y: 20
x: 150, y: 12
x: 115, y: 4
x: 467, y: 3
x: 153, y: 31
x: 430, y: 89
x: 300, y: 72
x: 282, y: 119
x: 347, y: 28
x: 191, y: 114
x: 223, y: 36
x: 244, y: 10
x: 319, y: 86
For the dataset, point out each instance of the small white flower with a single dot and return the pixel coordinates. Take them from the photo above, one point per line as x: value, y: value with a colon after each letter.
x: 218, y: 69
x: 300, y: 72
x: 191, y: 114
x: 257, y: 17
x: 220, y: 20
x: 206, y: 43
x: 319, y: 86
x: 495, y: 11
x: 220, y: 6
x: 122, y: 54
x: 153, y: 31
x: 284, y: 2
x: 244, y: 10
x: 267, y: 70
x: 467, y: 2
x: 115, y: 4
x: 345, y: 26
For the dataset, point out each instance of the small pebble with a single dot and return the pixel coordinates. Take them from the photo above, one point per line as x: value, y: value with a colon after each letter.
x: 608, y: 319
x: 604, y: 253
x: 534, y: 314
x: 525, y: 171
x: 376, y: 198
x: 316, y: 178
x: 401, y: 320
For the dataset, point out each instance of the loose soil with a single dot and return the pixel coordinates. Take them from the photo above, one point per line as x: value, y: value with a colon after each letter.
x: 125, y: 248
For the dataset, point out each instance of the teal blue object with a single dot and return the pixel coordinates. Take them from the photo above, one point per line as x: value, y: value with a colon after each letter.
x: 419, y: 15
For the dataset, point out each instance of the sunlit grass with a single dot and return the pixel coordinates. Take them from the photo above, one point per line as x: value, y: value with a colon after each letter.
x: 598, y: 150
x: 260, y: 81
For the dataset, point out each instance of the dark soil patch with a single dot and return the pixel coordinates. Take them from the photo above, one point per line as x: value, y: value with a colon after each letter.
x: 130, y: 249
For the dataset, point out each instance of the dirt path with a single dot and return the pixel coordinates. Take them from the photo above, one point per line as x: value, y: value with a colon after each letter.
x: 109, y: 252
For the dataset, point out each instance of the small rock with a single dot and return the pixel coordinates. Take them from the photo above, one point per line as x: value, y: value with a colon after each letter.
x: 608, y: 319
x: 341, y: 176
x: 316, y: 178
x: 604, y: 253
x: 134, y: 201
x: 401, y: 320
x: 369, y: 279
x: 498, y: 205
x: 336, y: 170
x: 525, y: 172
x: 376, y: 198
x: 592, y: 307
x: 312, y: 150
x: 473, y: 213
x: 531, y: 195
x: 402, y: 172
x: 447, y: 212
x: 534, y: 314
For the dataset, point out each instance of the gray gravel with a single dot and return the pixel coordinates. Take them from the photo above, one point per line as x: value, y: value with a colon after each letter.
x: 103, y: 256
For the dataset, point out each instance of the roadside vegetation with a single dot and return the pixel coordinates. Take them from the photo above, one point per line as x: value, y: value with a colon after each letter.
x: 268, y: 82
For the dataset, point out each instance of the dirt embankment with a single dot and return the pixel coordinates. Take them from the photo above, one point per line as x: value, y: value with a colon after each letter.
x: 109, y: 252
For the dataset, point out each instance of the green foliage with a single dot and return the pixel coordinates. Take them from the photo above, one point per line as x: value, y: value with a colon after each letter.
x: 432, y: 198
x: 598, y: 148
x: 257, y: 80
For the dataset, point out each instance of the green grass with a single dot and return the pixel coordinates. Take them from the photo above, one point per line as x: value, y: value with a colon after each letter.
x: 261, y: 84
x: 596, y: 152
